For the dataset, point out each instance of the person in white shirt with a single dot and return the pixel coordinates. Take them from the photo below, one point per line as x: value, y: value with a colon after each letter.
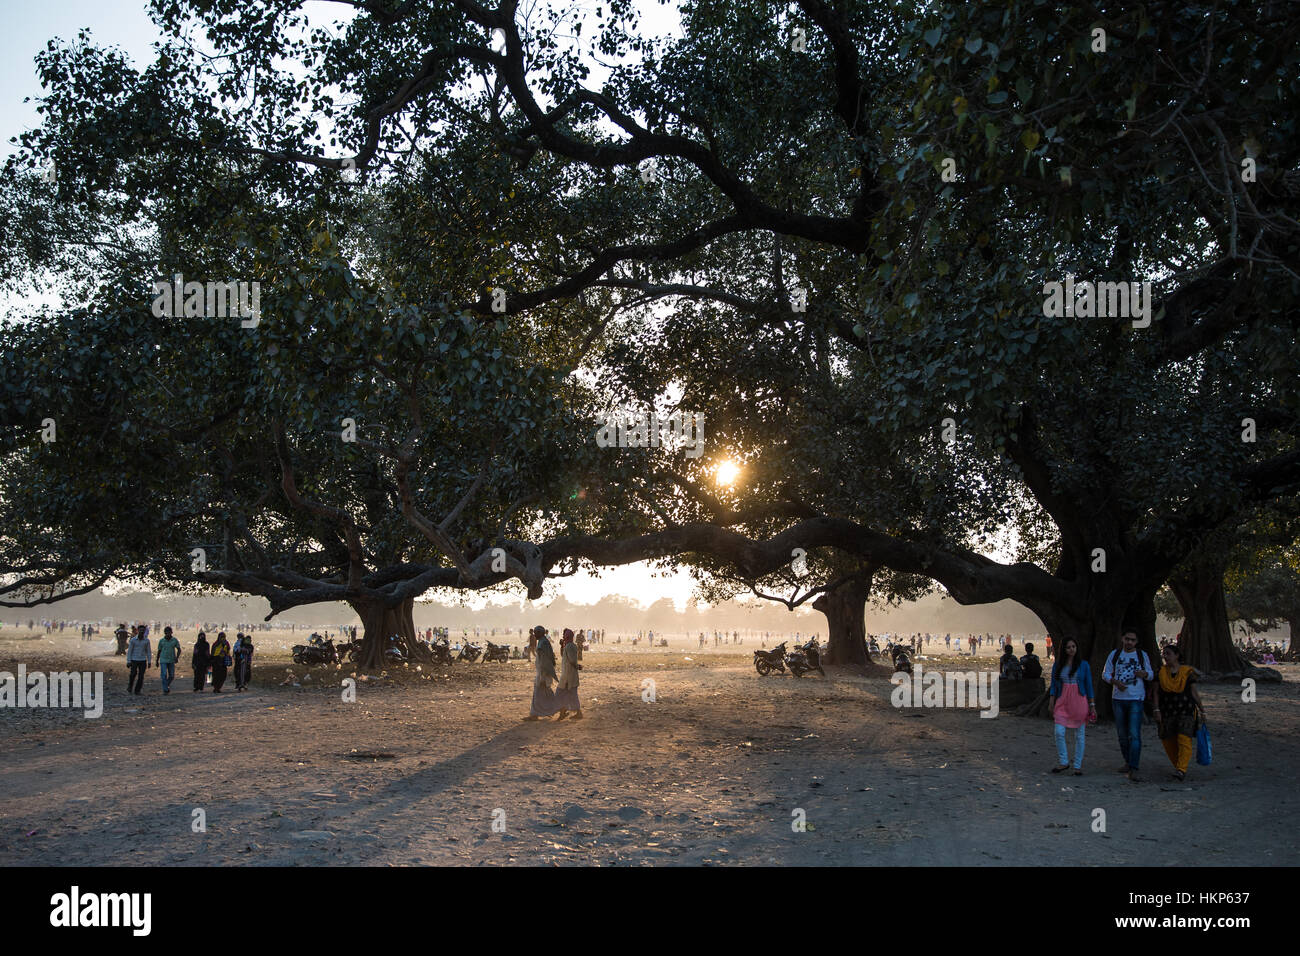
x: 139, y: 654
x: 1127, y: 670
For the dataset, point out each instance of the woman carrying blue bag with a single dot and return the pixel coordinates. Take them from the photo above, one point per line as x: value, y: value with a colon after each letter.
x: 1179, y: 713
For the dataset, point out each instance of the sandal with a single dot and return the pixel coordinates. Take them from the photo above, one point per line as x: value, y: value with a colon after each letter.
x: 1179, y: 776
x: 1061, y: 769
x: 1078, y: 772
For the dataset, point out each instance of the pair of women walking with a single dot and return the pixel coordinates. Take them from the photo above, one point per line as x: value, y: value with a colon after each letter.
x: 564, y: 698
x: 1178, y: 710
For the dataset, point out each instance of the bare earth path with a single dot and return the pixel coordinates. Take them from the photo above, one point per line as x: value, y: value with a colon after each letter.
x: 712, y: 771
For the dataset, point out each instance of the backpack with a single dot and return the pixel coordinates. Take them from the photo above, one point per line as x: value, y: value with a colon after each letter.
x: 1143, y: 661
x: 1032, y: 667
x: 1012, y: 669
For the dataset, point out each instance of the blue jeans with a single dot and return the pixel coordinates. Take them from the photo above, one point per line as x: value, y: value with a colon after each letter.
x: 1128, y: 726
x: 168, y: 673
x: 1063, y: 757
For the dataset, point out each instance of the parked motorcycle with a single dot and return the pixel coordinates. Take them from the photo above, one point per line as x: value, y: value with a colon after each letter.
x: 317, y: 652
x: 469, y: 652
x: 496, y: 652
x: 393, y: 652
x: 767, y: 661
x: 899, y: 654
x: 804, y: 658
x: 441, y: 651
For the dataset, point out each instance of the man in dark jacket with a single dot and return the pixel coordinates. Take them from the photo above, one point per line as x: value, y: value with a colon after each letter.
x: 1030, y: 665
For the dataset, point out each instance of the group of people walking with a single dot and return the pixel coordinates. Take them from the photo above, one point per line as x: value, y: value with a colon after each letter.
x: 564, y: 697
x: 218, y: 657
x: 215, y: 658
x: 1177, y: 707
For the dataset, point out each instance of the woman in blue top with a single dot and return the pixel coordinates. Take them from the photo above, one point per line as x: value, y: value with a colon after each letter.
x: 1071, y: 703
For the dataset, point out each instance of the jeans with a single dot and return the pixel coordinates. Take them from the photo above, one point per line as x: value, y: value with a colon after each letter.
x: 1128, y: 726
x: 135, y: 676
x: 1063, y: 757
x: 168, y: 674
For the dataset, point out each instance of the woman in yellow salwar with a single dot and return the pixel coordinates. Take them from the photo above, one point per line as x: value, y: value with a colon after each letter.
x: 1178, y: 710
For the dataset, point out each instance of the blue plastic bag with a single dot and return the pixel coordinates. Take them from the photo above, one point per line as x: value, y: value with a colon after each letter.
x: 1204, y: 752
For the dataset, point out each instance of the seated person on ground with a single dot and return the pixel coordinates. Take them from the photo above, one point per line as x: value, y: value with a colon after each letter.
x: 1030, y: 666
x: 1008, y: 667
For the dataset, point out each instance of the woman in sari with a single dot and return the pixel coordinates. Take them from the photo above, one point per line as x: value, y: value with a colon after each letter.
x: 544, y: 703
x: 200, y: 661
x: 566, y: 695
x: 220, y: 660
x: 1178, y: 710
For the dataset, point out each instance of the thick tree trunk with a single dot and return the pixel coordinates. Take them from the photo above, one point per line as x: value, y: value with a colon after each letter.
x: 1206, y: 637
x: 379, y: 623
x: 845, y: 610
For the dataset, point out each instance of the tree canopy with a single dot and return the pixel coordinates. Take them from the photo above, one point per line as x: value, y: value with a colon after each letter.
x: 830, y: 226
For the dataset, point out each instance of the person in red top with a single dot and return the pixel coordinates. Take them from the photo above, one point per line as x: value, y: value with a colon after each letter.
x: 1049, y: 647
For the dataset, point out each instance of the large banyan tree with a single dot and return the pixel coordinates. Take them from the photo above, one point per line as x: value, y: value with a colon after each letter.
x: 846, y: 232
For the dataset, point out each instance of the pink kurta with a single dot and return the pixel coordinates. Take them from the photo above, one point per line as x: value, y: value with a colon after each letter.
x: 1071, y: 706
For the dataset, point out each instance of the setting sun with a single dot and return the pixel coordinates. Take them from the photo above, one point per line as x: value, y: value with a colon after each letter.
x: 727, y: 472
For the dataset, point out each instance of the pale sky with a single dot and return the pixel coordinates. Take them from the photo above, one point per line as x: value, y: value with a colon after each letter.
x: 29, y: 26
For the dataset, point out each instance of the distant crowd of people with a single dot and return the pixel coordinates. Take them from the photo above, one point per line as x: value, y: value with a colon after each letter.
x: 973, y: 644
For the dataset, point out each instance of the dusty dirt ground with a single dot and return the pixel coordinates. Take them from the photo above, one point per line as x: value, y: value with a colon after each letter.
x: 712, y: 772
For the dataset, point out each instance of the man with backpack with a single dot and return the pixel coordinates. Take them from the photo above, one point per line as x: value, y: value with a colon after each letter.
x: 1127, y: 670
